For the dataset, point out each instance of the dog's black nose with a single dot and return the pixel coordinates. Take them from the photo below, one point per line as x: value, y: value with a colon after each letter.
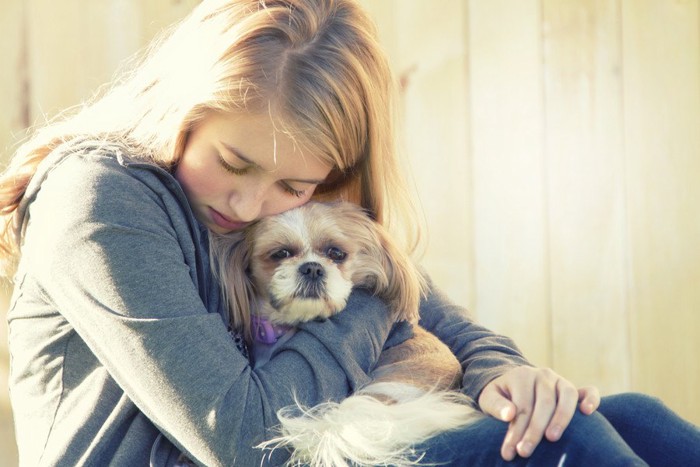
x: 311, y: 270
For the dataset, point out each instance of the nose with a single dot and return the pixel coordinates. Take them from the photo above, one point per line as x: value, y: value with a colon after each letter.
x: 247, y: 204
x: 311, y: 271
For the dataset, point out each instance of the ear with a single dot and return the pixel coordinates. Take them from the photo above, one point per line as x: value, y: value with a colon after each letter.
x: 405, y: 285
x: 386, y: 269
x: 230, y: 259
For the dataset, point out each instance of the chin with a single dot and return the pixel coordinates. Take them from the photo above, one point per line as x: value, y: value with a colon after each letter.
x: 302, y: 265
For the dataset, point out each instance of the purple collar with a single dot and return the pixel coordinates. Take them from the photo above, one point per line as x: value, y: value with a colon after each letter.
x: 265, y: 332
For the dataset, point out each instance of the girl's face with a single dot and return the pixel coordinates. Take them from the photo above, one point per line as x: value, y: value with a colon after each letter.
x: 237, y: 168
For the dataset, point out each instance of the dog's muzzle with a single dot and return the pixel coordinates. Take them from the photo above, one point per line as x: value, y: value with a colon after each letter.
x: 312, y: 280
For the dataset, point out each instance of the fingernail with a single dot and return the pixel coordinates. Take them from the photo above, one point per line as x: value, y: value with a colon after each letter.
x: 525, y: 448
x: 508, y: 453
x: 505, y: 412
x: 555, y: 433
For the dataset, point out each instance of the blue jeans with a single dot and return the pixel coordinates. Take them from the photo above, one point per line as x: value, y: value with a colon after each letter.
x: 627, y: 430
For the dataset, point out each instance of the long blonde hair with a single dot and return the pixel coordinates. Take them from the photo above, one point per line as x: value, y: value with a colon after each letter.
x: 315, y: 64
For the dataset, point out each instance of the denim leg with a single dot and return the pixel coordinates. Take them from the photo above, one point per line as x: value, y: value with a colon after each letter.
x: 588, y: 441
x: 652, y: 430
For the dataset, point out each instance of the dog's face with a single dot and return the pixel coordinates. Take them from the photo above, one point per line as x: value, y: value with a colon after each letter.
x: 305, y: 262
x: 302, y: 265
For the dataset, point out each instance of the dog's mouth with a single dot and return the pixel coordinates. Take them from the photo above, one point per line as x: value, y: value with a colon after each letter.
x: 310, y: 290
x: 305, y: 291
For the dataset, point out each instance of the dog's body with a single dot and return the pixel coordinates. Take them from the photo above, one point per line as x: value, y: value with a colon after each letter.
x: 302, y: 265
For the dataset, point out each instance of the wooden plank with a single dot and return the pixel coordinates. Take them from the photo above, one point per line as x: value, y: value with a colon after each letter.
x: 662, y: 118
x: 159, y: 14
x: 508, y: 173
x: 586, y: 192
x: 76, y: 46
x: 432, y: 67
x: 12, y: 122
x: 13, y: 79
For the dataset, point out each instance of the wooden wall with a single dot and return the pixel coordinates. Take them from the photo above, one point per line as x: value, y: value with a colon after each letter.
x: 557, y: 148
x: 555, y: 144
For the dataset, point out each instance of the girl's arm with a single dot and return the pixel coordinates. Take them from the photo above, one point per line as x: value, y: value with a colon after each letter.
x: 484, y: 355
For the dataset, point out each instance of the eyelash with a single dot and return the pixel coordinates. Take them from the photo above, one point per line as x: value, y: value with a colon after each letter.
x: 231, y: 169
x: 236, y: 171
x: 293, y: 192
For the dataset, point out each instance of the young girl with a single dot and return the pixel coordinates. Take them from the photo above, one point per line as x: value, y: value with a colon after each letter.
x: 121, y: 350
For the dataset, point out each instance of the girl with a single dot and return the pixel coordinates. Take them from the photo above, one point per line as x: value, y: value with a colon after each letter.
x: 121, y: 350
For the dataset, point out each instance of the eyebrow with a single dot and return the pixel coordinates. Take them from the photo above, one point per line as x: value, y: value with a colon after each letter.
x: 248, y: 161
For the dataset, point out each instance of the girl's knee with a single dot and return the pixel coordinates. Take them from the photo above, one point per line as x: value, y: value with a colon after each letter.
x: 583, y: 428
x: 629, y: 404
x: 592, y: 440
x: 636, y: 399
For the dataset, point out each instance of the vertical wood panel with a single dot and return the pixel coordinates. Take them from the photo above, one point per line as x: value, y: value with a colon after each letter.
x: 13, y: 76
x: 158, y: 14
x: 662, y: 119
x: 8, y: 447
x: 508, y: 172
x: 12, y: 122
x: 73, y: 49
x: 585, y: 178
x: 433, y: 69
x: 77, y: 45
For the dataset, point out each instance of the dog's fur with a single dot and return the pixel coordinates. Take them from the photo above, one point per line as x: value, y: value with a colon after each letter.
x: 302, y: 265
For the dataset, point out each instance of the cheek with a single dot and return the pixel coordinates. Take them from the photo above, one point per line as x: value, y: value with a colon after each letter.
x: 196, y: 178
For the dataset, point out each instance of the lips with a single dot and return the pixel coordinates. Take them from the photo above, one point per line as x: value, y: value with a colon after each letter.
x: 224, y: 222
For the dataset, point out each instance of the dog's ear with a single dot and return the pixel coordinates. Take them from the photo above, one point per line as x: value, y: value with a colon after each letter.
x: 388, y: 271
x: 405, y: 285
x: 230, y: 259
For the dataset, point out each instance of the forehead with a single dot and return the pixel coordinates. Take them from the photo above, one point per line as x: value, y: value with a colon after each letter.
x: 261, y: 140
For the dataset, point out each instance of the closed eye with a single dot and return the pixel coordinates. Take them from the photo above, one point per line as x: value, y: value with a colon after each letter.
x: 231, y: 169
x: 292, y: 191
x: 242, y: 171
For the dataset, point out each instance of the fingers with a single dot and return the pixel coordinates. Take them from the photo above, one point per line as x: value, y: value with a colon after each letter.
x: 515, y: 441
x: 568, y: 398
x: 589, y: 399
x: 538, y: 409
x: 511, y: 398
x: 495, y: 402
x: 538, y: 403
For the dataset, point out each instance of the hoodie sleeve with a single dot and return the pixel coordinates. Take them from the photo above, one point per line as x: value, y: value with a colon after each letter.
x: 484, y: 355
x: 110, y: 255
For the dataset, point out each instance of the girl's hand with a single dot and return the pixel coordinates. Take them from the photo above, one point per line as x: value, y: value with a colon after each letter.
x: 536, y: 402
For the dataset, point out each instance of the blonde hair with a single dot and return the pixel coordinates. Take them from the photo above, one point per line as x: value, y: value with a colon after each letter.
x: 315, y: 64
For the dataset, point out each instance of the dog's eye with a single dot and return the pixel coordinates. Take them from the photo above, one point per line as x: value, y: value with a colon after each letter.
x: 336, y: 254
x: 281, y: 254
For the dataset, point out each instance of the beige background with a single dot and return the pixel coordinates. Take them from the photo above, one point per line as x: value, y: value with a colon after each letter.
x: 555, y: 144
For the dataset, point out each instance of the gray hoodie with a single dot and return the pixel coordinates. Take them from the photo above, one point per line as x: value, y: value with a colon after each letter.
x: 119, y: 342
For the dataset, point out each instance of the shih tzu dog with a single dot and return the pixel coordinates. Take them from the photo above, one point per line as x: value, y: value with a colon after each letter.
x: 302, y: 265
